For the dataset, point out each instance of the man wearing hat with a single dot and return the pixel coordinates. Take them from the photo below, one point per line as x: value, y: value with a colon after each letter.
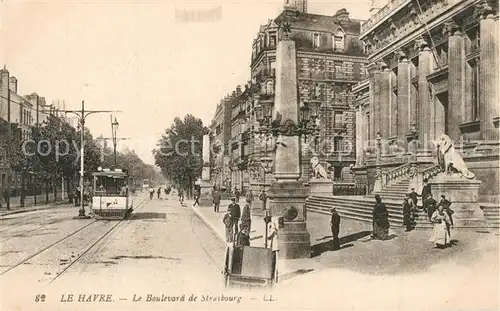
x: 335, y: 226
x: 235, y: 211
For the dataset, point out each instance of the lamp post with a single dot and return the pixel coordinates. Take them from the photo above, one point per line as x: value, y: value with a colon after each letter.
x: 82, y: 115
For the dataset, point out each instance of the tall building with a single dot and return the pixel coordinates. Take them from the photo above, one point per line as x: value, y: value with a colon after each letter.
x: 330, y: 61
x: 221, y: 129
x: 433, y: 70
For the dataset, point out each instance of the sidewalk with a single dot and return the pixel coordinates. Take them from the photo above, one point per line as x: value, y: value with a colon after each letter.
x: 38, y: 207
x: 257, y: 234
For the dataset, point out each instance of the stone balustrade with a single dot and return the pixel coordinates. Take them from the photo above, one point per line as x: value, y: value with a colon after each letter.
x: 396, y: 174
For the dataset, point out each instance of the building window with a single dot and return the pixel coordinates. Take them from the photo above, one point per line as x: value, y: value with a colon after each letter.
x: 272, y: 39
x: 338, y: 43
x: 338, y: 118
x: 338, y: 144
x: 316, y: 41
x: 337, y: 173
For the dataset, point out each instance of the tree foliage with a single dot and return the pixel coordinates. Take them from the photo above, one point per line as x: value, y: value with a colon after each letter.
x: 179, y: 155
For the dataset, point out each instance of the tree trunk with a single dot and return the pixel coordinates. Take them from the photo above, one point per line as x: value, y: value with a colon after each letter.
x: 70, y: 191
x: 46, y: 191
x: 34, y: 189
x: 23, y: 184
x: 54, y: 181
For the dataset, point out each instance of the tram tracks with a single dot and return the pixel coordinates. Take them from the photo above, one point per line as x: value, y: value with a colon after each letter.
x: 216, y: 262
x: 97, y: 229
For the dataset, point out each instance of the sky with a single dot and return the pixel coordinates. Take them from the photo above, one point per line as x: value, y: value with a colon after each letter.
x: 138, y: 57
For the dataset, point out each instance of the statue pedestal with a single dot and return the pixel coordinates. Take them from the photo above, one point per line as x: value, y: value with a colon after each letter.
x: 287, y: 199
x: 320, y: 187
x: 463, y: 195
x: 206, y: 193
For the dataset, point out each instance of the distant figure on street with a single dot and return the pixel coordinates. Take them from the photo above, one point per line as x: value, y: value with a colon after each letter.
x: 335, y: 226
x: 243, y: 237
x: 158, y: 192
x: 380, y: 220
x: 228, y: 223
x: 235, y: 211
x: 263, y: 198
x: 249, y: 197
x: 407, y: 219
x: 151, y: 193
x: 426, y: 191
x: 246, y: 217
x: 181, y: 195
x: 216, y: 200
x: 77, y: 196
x: 440, y: 235
x: 196, y: 198
x: 272, y: 230
x: 414, y: 197
x: 430, y: 206
x: 237, y: 194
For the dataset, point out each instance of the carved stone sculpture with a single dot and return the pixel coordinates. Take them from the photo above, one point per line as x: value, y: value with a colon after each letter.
x: 453, y: 161
x: 318, y: 169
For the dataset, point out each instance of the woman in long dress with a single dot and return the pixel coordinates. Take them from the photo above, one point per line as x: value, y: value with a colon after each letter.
x: 380, y: 220
x: 440, y: 235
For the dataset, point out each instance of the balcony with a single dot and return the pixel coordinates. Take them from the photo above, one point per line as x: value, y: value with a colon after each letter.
x: 387, y: 10
x: 265, y: 74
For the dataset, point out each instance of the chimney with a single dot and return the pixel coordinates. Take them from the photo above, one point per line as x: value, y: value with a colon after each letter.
x: 342, y: 16
x: 13, y: 84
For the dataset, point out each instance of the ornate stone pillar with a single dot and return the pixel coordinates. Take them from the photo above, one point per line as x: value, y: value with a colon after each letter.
x: 456, y: 80
x: 385, y: 101
x: 488, y: 71
x: 287, y: 195
x: 403, y: 105
x: 206, y: 186
x: 424, y: 117
x: 360, y: 128
x: 374, y: 81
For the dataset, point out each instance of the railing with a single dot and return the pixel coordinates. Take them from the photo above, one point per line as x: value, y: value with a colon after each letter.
x: 431, y: 171
x: 348, y: 189
x: 386, y: 10
x: 396, y: 174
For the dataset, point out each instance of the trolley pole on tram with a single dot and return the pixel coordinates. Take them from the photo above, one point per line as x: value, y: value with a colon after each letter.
x: 82, y: 114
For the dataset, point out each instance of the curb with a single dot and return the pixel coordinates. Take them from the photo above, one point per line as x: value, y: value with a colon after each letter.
x: 41, y: 208
x: 209, y: 224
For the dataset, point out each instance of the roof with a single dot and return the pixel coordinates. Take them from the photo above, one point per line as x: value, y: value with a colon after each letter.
x: 318, y: 22
x: 110, y: 174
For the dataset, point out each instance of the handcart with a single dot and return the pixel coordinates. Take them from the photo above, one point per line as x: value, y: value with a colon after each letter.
x: 248, y: 266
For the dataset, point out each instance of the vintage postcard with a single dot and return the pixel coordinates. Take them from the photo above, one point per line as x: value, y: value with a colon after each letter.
x: 249, y: 155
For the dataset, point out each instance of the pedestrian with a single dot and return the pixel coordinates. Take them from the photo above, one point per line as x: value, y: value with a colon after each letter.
x: 158, y: 192
x: 446, y: 208
x: 430, y: 205
x: 77, y: 196
x: 216, y: 200
x: 335, y: 226
x: 228, y: 223
x: 440, y: 235
x: 414, y: 197
x: 426, y: 191
x: 151, y: 193
x: 196, y: 198
x: 246, y: 217
x: 407, y: 219
x: 235, y: 211
x: 380, y: 220
x: 165, y: 190
x: 272, y: 230
x: 249, y: 197
x: 181, y: 195
x: 237, y: 194
x: 243, y: 237
x: 263, y: 199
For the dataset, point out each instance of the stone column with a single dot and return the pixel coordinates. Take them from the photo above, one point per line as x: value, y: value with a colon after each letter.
x: 385, y: 101
x: 456, y: 80
x: 359, y: 135
x: 488, y: 71
x: 403, y: 108
x: 287, y: 194
x: 206, y: 186
x: 374, y: 78
x: 424, y: 117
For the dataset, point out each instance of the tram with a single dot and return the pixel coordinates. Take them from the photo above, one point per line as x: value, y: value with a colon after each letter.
x: 112, y: 197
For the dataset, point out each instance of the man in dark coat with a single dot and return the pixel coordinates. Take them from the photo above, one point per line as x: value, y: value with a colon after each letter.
x: 414, y: 197
x: 430, y: 206
x: 235, y: 211
x: 380, y: 220
x: 446, y: 207
x: 216, y: 200
x: 263, y: 198
x: 407, y: 221
x: 335, y: 226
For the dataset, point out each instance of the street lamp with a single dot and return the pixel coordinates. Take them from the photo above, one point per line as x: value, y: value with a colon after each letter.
x: 114, y: 129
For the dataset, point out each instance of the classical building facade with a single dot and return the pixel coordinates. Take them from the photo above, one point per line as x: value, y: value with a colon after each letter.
x: 330, y: 61
x: 433, y: 70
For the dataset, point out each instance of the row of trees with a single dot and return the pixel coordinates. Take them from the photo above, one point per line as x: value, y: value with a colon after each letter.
x: 179, y: 155
x: 53, y: 155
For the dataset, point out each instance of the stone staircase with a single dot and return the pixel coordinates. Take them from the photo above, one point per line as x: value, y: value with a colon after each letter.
x: 361, y: 207
x: 395, y: 191
x: 492, y: 214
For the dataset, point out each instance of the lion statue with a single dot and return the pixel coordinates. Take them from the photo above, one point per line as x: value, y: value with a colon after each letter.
x: 452, y: 160
x: 318, y: 169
